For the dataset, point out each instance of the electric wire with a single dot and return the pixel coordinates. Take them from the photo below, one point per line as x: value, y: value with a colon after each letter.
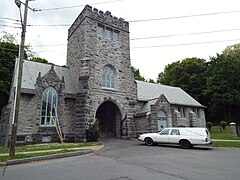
x: 185, y: 34
x: 185, y: 44
x: 75, y: 6
x: 11, y: 19
x: 185, y: 16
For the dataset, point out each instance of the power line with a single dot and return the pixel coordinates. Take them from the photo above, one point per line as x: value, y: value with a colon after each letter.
x: 75, y: 6
x: 10, y: 19
x: 131, y: 21
x: 9, y: 26
x: 155, y: 37
x: 143, y: 47
x: 184, y: 44
x: 186, y: 16
x: 49, y: 25
x: 169, y: 45
x: 50, y: 45
x: 186, y: 34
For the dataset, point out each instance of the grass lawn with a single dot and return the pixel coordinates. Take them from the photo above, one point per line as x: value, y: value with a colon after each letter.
x: 226, y: 144
x: 21, y: 156
x: 48, y: 146
x: 226, y: 134
x: 63, y: 148
x: 217, y: 133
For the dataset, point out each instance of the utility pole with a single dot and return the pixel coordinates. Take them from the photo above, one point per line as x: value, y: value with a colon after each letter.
x: 19, y: 79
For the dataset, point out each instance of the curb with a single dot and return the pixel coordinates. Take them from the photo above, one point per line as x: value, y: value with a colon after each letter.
x: 47, y: 157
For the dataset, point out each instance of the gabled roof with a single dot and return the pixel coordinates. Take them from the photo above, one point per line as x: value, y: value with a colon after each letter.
x: 175, y: 95
x: 31, y: 70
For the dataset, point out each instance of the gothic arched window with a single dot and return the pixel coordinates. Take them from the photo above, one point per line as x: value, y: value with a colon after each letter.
x: 49, y: 104
x: 108, y: 77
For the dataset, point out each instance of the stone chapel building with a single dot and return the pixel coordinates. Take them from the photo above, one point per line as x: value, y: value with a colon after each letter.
x: 98, y: 84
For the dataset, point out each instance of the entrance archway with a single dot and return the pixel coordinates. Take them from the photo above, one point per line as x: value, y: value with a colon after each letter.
x: 109, y: 118
x: 162, y: 120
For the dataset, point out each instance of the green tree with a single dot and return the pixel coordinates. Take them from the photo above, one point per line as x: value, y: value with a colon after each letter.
x: 188, y: 74
x: 151, y: 81
x: 8, y: 54
x: 7, y: 37
x: 41, y: 60
x: 137, y: 75
x: 233, y: 51
x: 223, y: 85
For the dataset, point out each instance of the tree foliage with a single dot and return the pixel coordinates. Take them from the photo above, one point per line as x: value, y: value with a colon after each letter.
x: 7, y: 37
x: 223, y: 85
x: 215, y: 83
x: 232, y: 51
x: 8, y: 53
x: 189, y: 74
x: 137, y: 75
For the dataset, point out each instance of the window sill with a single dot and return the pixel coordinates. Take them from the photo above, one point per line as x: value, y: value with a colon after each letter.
x: 46, y: 126
x: 108, y: 89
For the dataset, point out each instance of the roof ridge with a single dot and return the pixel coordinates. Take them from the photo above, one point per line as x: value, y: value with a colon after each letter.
x: 49, y: 64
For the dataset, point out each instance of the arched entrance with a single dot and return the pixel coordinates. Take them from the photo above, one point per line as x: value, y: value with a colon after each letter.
x: 162, y: 120
x: 109, y: 118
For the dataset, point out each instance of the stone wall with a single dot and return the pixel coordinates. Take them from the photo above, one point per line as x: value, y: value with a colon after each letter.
x: 30, y: 110
x: 87, y: 54
x: 191, y: 119
x: 161, y: 104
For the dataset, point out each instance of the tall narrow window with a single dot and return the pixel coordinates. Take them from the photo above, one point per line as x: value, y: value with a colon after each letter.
x: 198, y: 113
x: 49, y: 104
x: 116, y: 35
x: 108, y: 77
x: 100, y: 30
x: 108, y: 32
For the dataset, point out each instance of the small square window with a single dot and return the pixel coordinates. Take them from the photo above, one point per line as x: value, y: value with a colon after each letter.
x: 21, y: 138
x: 46, y: 138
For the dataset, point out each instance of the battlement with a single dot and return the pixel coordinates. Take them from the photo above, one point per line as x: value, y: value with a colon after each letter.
x: 100, y: 16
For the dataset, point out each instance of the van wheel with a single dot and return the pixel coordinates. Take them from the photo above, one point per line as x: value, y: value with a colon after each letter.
x: 185, y: 144
x: 148, y: 141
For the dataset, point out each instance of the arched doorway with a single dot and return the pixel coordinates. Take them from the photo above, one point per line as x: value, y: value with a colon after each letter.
x: 161, y: 120
x: 109, y: 118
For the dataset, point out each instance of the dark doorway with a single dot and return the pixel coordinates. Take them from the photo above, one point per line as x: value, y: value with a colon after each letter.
x: 109, y: 118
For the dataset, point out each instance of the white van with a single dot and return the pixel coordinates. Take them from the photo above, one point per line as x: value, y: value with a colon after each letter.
x: 186, y: 137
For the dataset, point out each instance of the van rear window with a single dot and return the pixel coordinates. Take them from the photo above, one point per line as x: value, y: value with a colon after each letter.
x: 207, y: 132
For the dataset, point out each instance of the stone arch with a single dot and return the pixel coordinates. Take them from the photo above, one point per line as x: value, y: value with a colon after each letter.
x: 109, y: 117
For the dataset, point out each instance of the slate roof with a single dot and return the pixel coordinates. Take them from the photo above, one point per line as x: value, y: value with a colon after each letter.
x: 31, y: 70
x: 175, y: 95
x: 146, y: 92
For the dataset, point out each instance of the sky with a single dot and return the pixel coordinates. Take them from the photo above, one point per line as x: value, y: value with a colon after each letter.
x: 172, y: 30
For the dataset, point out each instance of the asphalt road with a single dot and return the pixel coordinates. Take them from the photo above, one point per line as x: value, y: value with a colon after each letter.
x: 131, y: 160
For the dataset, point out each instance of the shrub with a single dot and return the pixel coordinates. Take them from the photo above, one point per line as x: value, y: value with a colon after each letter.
x: 209, y: 125
x: 92, y: 133
x: 223, y: 124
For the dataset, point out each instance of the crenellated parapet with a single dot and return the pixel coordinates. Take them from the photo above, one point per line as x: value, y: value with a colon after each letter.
x: 100, y: 16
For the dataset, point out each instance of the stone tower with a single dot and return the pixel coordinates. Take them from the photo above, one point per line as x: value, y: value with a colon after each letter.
x: 98, y: 55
